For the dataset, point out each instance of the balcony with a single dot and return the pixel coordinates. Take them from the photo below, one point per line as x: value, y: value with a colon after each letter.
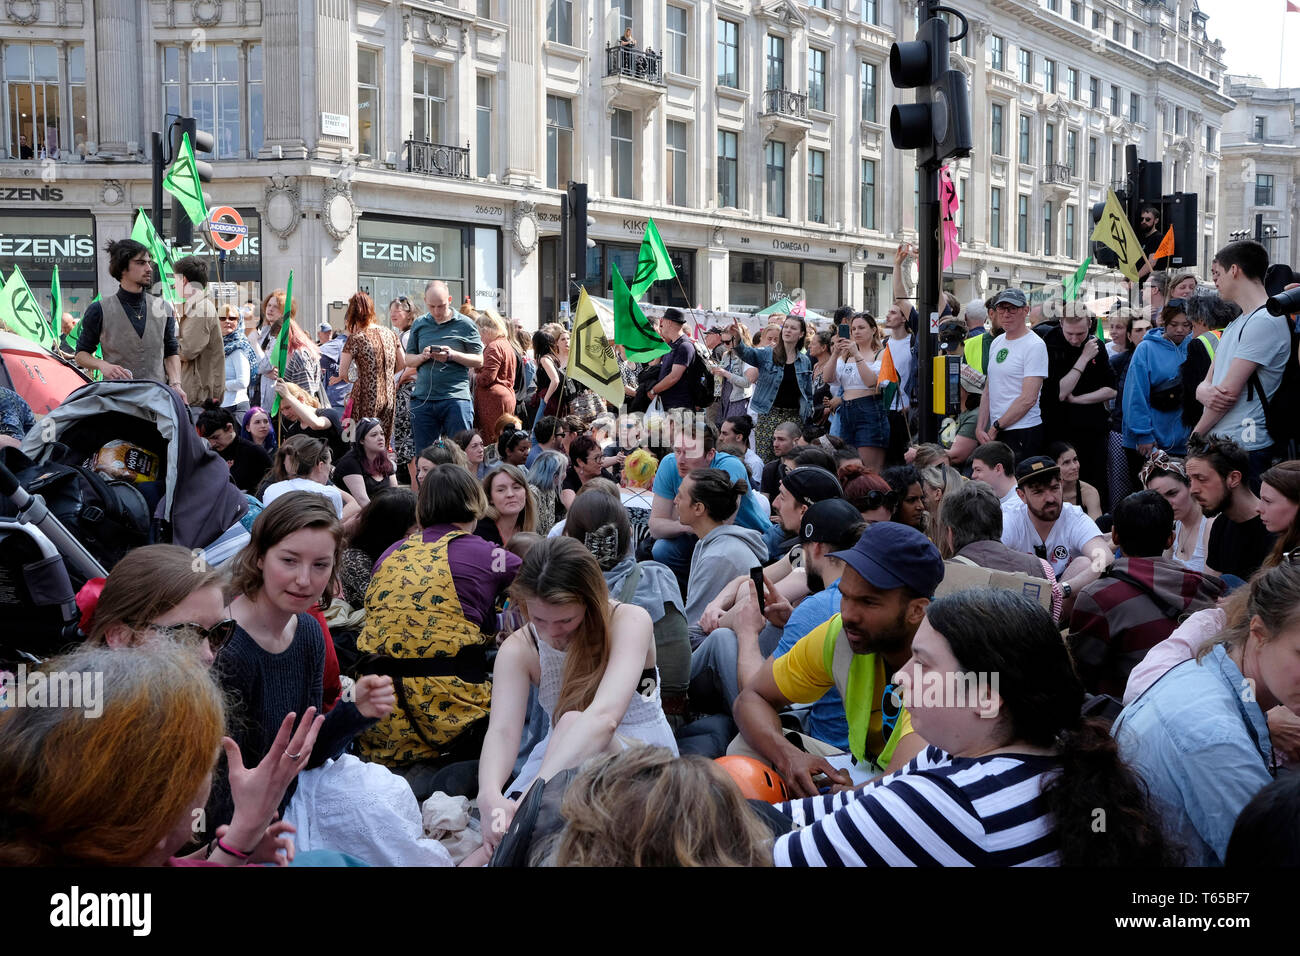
x: 634, y: 79
x: 1058, y: 181
x: 785, y: 112
x: 437, y: 159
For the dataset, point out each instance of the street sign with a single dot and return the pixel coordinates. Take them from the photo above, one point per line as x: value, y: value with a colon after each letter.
x: 227, y: 228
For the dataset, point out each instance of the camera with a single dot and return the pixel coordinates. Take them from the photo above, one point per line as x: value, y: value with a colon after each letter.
x: 1284, y: 303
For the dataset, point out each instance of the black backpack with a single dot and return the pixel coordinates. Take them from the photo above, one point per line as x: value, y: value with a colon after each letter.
x: 699, y: 380
x: 1280, y: 408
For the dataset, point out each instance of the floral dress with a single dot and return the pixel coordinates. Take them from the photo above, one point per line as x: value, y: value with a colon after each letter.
x: 374, y: 355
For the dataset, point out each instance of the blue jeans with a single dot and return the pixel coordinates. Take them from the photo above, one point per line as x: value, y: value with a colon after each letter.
x: 432, y: 419
x: 676, y: 553
x: 715, y: 683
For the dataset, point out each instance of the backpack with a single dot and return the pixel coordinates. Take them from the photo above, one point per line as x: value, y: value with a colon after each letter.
x: 1279, y: 408
x: 699, y: 382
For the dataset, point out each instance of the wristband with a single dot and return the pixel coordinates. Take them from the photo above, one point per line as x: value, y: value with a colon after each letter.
x: 235, y: 853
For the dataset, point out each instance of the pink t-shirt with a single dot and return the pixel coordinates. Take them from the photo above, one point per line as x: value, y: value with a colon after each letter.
x: 1179, y: 646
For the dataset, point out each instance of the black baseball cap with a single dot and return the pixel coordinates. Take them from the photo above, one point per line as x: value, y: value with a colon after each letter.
x: 827, y: 521
x: 810, y: 484
x: 1038, y: 467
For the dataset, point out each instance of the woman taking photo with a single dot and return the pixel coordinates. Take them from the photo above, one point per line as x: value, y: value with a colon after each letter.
x: 366, y: 469
x: 737, y: 378
x: 1012, y: 776
x: 509, y: 506
x: 863, y: 423
x: 1202, y: 743
x: 1168, y: 477
x: 1072, y: 489
x: 377, y: 356
x: 593, y: 662
x: 494, y: 383
x: 783, y: 392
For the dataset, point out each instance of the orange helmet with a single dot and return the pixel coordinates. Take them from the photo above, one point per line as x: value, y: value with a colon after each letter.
x: 756, y: 780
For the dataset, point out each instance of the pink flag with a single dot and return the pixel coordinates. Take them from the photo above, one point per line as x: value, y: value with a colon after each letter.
x: 799, y: 308
x: 948, y: 208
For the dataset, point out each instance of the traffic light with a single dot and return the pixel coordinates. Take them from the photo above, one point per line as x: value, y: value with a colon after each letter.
x: 579, y: 223
x: 202, y: 142
x: 938, y: 124
x: 1102, y: 254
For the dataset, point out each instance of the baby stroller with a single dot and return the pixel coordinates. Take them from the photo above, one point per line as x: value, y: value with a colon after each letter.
x: 119, y: 466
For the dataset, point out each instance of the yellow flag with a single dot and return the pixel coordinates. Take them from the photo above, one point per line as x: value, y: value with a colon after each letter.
x: 591, y: 358
x: 1115, y: 233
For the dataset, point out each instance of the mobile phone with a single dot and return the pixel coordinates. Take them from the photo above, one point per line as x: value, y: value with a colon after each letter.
x: 756, y: 575
x: 844, y: 331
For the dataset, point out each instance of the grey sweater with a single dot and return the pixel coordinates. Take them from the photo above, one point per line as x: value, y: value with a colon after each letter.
x: 725, y: 553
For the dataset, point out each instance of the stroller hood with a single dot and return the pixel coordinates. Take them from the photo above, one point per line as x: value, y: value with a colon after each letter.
x: 199, y: 500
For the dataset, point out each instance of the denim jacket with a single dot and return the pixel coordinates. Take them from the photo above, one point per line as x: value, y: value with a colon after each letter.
x: 1200, y: 741
x: 769, y: 379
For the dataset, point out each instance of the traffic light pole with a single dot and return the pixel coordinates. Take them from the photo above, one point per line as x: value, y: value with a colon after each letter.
x: 157, y: 195
x: 927, y: 301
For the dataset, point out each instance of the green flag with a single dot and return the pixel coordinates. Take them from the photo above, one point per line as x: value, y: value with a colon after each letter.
x: 21, y: 313
x: 652, y: 261
x: 632, y: 329
x: 144, y: 233
x: 1075, y: 282
x: 182, y: 181
x: 56, y: 303
x: 280, y: 353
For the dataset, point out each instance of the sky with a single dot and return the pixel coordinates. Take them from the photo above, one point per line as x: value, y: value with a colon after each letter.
x: 1252, y: 43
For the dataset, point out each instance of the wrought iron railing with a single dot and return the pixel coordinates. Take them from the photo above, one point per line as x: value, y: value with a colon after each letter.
x: 437, y: 159
x: 1057, y: 173
x: 786, y: 103
x: 644, y: 65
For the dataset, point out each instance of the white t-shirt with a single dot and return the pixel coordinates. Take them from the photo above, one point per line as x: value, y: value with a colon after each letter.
x: 1011, y: 500
x: 1010, y: 362
x: 900, y: 350
x: 304, y: 484
x: 1265, y: 340
x: 1065, y: 542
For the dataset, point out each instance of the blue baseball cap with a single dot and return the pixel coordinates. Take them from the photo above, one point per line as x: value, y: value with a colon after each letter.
x: 890, y: 555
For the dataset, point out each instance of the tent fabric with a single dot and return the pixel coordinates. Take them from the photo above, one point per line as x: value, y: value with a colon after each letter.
x: 43, y: 380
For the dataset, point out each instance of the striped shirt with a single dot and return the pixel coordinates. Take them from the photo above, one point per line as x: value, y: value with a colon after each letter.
x: 939, y: 810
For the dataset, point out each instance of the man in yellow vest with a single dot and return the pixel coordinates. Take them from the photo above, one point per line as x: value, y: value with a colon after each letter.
x: 889, y: 578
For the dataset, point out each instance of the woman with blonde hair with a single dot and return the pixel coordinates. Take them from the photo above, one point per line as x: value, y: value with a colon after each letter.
x: 593, y: 662
x: 378, y: 357
x: 494, y: 382
x: 510, y: 506
x: 303, y: 365
x: 630, y: 809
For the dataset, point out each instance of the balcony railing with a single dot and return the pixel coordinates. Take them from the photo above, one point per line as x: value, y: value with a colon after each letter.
x: 644, y: 65
x: 437, y: 159
x: 785, y: 103
x: 1057, y: 173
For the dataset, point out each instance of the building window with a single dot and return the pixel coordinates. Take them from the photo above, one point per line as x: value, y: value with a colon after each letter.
x: 727, y: 167
x: 1137, y: 41
x: 256, y: 129
x: 775, y: 63
x: 996, y: 143
x: 1134, y: 108
x: 1261, y: 127
x: 1054, y: 5
x: 1178, y: 119
x: 1072, y: 151
x: 173, y: 81
x: 1049, y: 75
x: 1069, y: 232
x: 1022, y: 224
x: 1071, y: 83
x: 871, y: 12
x: 1026, y: 66
x: 816, y: 185
x: 1047, y: 229
x: 995, y: 217
x: 430, y: 87
x: 1211, y: 139
x: 867, y: 82
x: 559, y: 21
x: 677, y: 41
x: 1024, y: 139
x: 996, y: 52
x: 729, y: 54
x: 483, y: 127
x: 215, y: 95
x: 41, y: 125
x: 485, y: 9
x: 677, y: 168
x: 774, y: 159
x: 1076, y: 11
x: 1049, y: 143
x: 816, y: 79
x: 1114, y: 100
x: 1116, y: 170
x: 621, y: 12
x: 961, y: 210
x: 1117, y: 31
x: 1098, y: 20
x: 622, y: 154
x: 1092, y: 159
x: 1263, y: 189
x: 867, y: 194
x: 559, y: 142
x: 368, y: 125
x: 1210, y: 184
x: 1094, y: 92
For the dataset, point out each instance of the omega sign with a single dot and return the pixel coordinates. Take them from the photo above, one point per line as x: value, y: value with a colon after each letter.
x: 786, y: 245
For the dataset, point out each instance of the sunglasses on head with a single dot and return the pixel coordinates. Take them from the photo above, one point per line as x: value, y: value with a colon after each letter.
x: 880, y: 499
x: 217, y: 636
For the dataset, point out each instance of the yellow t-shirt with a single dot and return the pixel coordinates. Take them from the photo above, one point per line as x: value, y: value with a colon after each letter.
x: 802, y: 677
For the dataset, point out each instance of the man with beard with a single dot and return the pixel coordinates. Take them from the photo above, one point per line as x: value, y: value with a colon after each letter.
x: 888, y: 580
x: 801, y: 488
x: 1217, y: 469
x: 1061, y: 534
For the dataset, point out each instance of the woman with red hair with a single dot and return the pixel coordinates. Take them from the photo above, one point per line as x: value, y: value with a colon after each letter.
x: 378, y: 356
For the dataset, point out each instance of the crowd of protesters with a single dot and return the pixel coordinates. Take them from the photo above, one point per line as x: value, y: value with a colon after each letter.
x: 766, y: 629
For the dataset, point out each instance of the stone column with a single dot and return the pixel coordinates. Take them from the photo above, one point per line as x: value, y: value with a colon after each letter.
x: 523, y: 81
x: 282, y: 108
x: 333, y: 52
x: 117, y: 62
x: 976, y: 213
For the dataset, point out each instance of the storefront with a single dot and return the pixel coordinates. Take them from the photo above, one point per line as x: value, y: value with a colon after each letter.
x: 402, y: 256
x: 241, y: 272
x: 624, y: 255
x: 755, y: 282
x: 35, y: 241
